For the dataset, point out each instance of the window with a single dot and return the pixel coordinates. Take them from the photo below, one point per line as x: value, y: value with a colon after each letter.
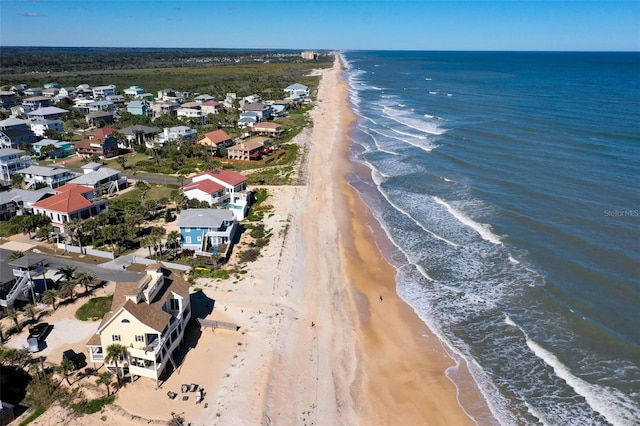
x: 188, y: 240
x: 174, y: 304
x: 125, y: 321
x: 115, y: 337
x: 139, y: 338
x: 199, y: 238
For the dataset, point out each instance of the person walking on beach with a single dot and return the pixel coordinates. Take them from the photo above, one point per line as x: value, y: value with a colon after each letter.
x: 381, y: 298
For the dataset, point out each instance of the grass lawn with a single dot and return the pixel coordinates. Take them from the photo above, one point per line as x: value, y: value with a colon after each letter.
x: 157, y: 192
x: 96, y: 307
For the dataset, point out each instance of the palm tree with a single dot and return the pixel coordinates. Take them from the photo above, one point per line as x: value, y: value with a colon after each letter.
x: 15, y: 255
x: 105, y: 379
x: 67, y: 273
x: 173, y: 239
x: 115, y: 351
x: 65, y: 368
x: 49, y: 297
x: 75, y: 229
x: 32, y: 311
x: 83, y: 278
x: 67, y: 289
x: 13, y: 315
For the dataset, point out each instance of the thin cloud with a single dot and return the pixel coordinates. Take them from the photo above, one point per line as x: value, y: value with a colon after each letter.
x: 32, y: 15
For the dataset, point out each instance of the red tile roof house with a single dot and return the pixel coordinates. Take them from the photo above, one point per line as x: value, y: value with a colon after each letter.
x: 71, y: 202
x: 211, y: 107
x: 215, y: 139
x: 226, y: 188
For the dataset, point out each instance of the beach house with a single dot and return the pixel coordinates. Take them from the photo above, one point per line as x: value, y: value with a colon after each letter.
x: 53, y: 177
x: 225, y: 188
x: 70, y: 202
x: 250, y: 149
x: 53, y: 148
x: 48, y: 113
x: 297, y: 90
x: 148, y: 318
x: 208, y: 231
x: 12, y: 161
x: 101, y: 92
x: 102, y: 180
x: 216, y: 139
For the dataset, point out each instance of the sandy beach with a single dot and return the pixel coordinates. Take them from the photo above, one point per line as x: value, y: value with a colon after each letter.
x: 323, y: 337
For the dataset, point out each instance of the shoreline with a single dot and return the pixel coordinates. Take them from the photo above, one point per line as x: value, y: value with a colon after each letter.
x: 408, y: 358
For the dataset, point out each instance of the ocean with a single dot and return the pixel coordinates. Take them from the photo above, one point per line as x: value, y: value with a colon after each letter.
x: 509, y: 186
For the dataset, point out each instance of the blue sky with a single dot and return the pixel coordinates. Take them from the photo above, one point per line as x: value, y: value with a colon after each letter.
x: 327, y: 24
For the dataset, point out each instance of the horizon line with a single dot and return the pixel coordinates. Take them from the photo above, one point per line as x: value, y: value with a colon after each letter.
x: 325, y: 49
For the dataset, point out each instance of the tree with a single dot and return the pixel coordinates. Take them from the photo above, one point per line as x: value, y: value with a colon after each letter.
x: 144, y: 189
x: 49, y: 150
x: 115, y: 351
x: 75, y: 229
x: 66, y: 273
x: 65, y: 368
x: 173, y: 239
x: 17, y: 180
x: 146, y: 242
x: 84, y: 279
x: 105, y: 379
x: 13, y: 314
x: 122, y: 161
x: 1, y: 333
x: 32, y: 311
x: 49, y: 297
x: 15, y: 255
x: 67, y: 289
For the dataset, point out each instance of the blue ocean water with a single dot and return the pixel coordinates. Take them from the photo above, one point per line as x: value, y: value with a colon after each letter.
x: 509, y: 184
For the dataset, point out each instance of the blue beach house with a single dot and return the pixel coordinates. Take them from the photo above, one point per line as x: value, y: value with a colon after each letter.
x: 138, y: 107
x: 208, y: 231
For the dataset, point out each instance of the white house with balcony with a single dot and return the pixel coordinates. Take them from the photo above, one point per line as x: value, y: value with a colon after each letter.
x: 12, y: 161
x: 297, y: 90
x: 48, y: 113
x: 101, y: 179
x: 53, y: 177
x: 169, y: 134
x: 225, y: 188
x: 148, y: 318
x: 70, y: 202
x: 38, y: 127
x: 101, y: 92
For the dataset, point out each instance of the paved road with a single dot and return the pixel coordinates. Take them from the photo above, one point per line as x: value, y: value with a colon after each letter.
x: 98, y: 271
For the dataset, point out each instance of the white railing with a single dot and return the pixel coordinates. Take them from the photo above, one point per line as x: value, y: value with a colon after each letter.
x: 17, y: 288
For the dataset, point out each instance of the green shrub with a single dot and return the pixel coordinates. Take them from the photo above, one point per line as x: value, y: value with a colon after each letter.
x: 93, y: 405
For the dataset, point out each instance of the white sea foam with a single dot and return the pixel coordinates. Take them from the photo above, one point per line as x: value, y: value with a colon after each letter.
x: 513, y: 261
x: 426, y: 146
x: 482, y: 229
x: 617, y: 409
x: 447, y: 180
x: 377, y: 143
x: 431, y: 92
x: 428, y: 79
x: 417, y: 123
x: 509, y: 321
x: 405, y: 213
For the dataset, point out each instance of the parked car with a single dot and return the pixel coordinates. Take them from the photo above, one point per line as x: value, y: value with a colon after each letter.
x: 39, y: 331
x: 78, y: 360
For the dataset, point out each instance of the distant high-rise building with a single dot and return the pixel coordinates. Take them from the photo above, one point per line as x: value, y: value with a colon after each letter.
x: 312, y: 56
